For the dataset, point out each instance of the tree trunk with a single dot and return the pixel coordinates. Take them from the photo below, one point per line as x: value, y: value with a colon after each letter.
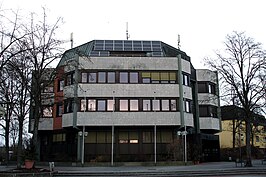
x: 7, y: 137
x: 248, y: 146
x: 19, y: 155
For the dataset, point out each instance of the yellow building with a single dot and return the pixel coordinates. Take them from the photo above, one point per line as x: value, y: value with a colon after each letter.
x: 233, y: 134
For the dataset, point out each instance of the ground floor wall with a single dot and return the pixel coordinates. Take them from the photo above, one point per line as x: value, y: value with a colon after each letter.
x: 130, y: 144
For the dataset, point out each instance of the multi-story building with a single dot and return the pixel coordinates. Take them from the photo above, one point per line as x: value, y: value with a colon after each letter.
x: 117, y: 100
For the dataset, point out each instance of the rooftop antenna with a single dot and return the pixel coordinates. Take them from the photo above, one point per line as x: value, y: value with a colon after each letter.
x: 71, y: 40
x: 178, y: 42
x: 127, y: 35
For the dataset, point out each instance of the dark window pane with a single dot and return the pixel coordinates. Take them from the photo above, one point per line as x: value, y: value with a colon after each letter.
x: 202, y: 87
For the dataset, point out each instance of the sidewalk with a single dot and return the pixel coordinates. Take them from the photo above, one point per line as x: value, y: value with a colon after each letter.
x: 210, y: 166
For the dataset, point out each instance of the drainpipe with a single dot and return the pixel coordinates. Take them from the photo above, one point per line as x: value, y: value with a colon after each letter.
x: 76, y: 79
x: 181, y: 96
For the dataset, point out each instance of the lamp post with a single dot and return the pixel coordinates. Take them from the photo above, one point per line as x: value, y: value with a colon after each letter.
x: 83, y: 134
x: 184, y: 133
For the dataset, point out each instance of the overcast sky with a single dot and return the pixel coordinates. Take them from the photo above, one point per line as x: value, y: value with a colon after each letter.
x: 202, y: 24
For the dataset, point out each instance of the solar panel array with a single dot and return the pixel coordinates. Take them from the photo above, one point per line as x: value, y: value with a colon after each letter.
x: 102, y: 47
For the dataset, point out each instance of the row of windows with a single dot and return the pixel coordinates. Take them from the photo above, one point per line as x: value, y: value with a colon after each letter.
x: 119, y: 104
x: 127, y: 77
x: 208, y: 111
x: 206, y: 87
x: 125, y: 137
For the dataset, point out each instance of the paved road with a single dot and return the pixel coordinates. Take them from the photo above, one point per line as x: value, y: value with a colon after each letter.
x: 203, y: 169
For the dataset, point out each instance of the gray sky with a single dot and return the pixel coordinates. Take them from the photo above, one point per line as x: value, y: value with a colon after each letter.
x: 202, y: 24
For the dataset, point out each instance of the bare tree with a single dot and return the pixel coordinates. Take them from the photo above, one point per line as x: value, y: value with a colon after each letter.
x: 43, y: 48
x: 242, y: 70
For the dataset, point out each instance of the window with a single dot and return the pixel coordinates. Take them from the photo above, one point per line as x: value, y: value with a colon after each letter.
x: 123, y: 77
x: 187, y: 106
x: 123, y: 137
x: 186, y: 79
x: 101, y: 104
x: 110, y: 105
x: 60, y: 85
x: 133, y: 137
x: 92, y: 77
x: 165, y: 105
x: 166, y: 137
x: 146, y: 105
x: 147, y: 137
x: 173, y: 105
x: 91, y: 138
x: 172, y: 78
x: 92, y: 105
x: 257, y: 139
x: 203, y: 111
x: 59, y: 137
x: 156, y: 105
x: 101, y: 137
x: 84, y: 77
x: 59, y: 109
x: 164, y: 77
x: 123, y: 105
x: 68, y: 106
x: 101, y: 77
x: 111, y: 77
x: 203, y: 87
x: 47, y: 111
x: 214, y: 111
x: 69, y: 79
x: 134, y: 105
x: 155, y: 77
x: 211, y: 88
x: 208, y: 111
x: 133, y: 77
x: 83, y: 104
x: 146, y: 77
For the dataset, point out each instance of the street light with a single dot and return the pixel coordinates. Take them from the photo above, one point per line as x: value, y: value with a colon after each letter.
x: 184, y: 133
x: 83, y: 134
